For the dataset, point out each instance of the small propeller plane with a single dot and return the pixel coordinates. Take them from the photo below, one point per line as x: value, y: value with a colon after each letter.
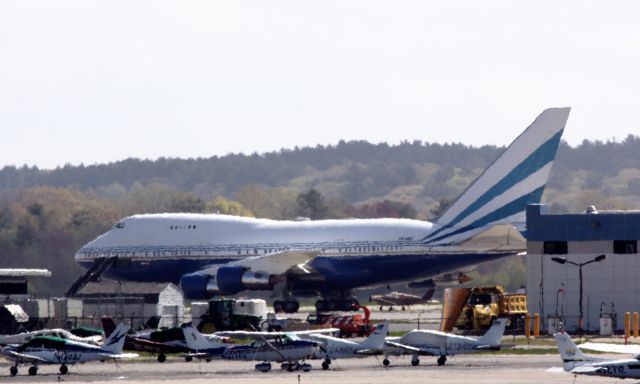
x: 281, y: 347
x: 336, y: 348
x: 401, y: 299
x: 54, y: 350
x: 441, y: 344
x: 576, y: 362
x: 21, y: 338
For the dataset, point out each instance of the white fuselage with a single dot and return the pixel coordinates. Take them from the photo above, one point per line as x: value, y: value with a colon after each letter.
x: 158, y: 236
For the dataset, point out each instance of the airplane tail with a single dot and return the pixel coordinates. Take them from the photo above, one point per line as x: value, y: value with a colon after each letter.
x: 494, y: 334
x: 376, y: 340
x: 115, y: 342
x: 514, y: 180
x: 570, y: 353
x: 195, y: 340
x: 429, y: 294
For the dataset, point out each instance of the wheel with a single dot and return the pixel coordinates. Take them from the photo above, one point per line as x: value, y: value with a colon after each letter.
x: 188, y: 358
x: 305, y: 367
x: 415, y: 362
x: 63, y: 369
x: 162, y: 358
x: 325, y: 365
x: 207, y: 326
x: 33, y: 371
x: 385, y: 362
x: 293, y: 367
x: 278, y: 306
x: 13, y: 371
x: 291, y: 306
x: 442, y: 360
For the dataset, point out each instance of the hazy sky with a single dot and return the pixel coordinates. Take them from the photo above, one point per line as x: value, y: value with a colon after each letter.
x: 96, y: 81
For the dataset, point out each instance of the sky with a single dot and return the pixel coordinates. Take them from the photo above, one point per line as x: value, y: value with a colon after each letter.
x: 85, y: 82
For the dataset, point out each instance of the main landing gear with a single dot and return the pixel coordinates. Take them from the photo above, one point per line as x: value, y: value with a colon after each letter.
x: 63, y: 369
x: 326, y: 364
x: 442, y: 360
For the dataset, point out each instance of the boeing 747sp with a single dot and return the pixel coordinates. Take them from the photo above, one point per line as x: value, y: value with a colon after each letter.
x: 217, y: 254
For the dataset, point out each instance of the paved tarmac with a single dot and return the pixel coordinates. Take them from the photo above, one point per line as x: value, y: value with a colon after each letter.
x: 475, y: 369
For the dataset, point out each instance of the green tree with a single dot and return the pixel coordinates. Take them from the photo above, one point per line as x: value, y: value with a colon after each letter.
x: 227, y: 207
x: 312, y: 205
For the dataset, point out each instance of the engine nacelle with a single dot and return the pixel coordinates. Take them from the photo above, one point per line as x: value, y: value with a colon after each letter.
x: 223, y: 281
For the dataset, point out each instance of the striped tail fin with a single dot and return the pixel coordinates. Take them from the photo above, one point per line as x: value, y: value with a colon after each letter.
x: 502, y: 192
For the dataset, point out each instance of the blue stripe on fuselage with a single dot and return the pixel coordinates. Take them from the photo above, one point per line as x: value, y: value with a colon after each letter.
x: 340, y: 272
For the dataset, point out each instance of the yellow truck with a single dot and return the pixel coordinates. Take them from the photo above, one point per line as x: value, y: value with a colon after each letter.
x: 475, y: 308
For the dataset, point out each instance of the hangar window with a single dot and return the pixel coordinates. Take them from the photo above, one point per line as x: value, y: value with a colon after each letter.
x: 555, y: 248
x: 625, y: 246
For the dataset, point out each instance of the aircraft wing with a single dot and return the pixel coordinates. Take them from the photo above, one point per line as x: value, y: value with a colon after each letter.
x: 120, y: 355
x: 488, y: 347
x: 277, y: 263
x: 614, y: 348
x: 410, y: 348
x: 588, y: 369
x: 273, y: 335
x: 367, y: 352
x: 23, y: 357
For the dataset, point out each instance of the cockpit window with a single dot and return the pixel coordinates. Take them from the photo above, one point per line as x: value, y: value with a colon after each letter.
x: 120, y: 225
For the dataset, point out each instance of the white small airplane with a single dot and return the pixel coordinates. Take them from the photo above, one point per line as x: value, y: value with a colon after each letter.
x: 21, y: 338
x: 54, y: 350
x: 281, y: 347
x: 441, y: 344
x: 576, y: 362
x: 336, y: 348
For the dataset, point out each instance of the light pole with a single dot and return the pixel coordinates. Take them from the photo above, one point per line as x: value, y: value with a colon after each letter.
x: 563, y: 260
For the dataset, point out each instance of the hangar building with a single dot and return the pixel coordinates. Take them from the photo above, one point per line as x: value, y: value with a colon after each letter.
x: 598, y: 250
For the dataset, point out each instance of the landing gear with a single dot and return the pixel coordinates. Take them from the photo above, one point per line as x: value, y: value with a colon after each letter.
x: 305, y: 367
x: 33, y: 371
x: 326, y: 363
x: 286, y: 306
x: 188, y: 359
x: 442, y: 360
x: 63, y: 369
x: 263, y: 367
x: 162, y: 358
x: 385, y: 362
x: 415, y: 361
x: 13, y: 371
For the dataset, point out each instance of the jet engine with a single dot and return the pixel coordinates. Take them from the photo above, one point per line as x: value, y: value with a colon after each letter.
x: 223, y: 281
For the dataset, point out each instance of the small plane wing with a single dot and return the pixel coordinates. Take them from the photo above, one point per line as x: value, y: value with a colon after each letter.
x: 24, y: 357
x: 274, y: 335
x: 588, y: 369
x: 367, y: 352
x: 410, y: 348
x: 488, y: 347
x: 120, y: 355
x: 614, y: 348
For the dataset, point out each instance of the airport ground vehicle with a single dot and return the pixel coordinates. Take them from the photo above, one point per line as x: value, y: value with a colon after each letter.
x: 355, y: 325
x: 476, y: 308
x: 222, y: 315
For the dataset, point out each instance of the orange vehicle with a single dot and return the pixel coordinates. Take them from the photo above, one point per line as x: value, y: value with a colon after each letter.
x: 355, y: 325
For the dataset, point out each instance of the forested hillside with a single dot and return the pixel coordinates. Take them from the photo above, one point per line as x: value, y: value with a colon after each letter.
x: 46, y: 215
